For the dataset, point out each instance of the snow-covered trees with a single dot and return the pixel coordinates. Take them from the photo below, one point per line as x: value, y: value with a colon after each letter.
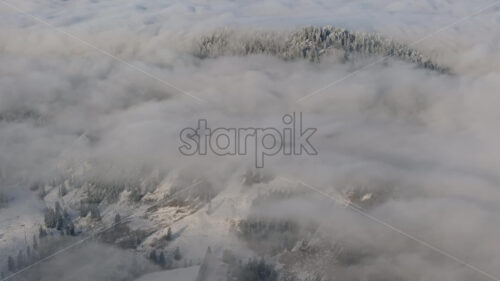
x: 59, y: 219
x: 165, y: 259
x: 309, y: 43
x: 50, y: 218
x: 84, y: 208
x: 253, y: 270
x: 271, y: 236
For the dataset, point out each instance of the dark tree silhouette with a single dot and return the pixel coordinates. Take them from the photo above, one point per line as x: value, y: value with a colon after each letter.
x: 35, y: 242
x: 169, y: 234
x: 153, y: 257
x: 161, y: 260
x: 11, y: 265
x: 20, y: 259
x: 118, y: 219
x: 177, y: 254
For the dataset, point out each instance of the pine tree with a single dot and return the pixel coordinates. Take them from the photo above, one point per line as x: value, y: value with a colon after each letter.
x: 60, y: 222
x: 152, y: 256
x: 41, y: 192
x: 118, y: 219
x: 20, y: 259
x: 257, y: 270
x: 3, y: 199
x: 50, y: 218
x: 35, y: 242
x: 177, y: 254
x: 169, y: 234
x: 42, y: 232
x: 62, y: 191
x: 95, y: 213
x: 161, y: 260
x: 70, y: 229
x: 28, y: 253
x: 65, y: 215
x: 84, y: 210
x: 209, y: 208
x: 58, y: 209
x: 11, y: 265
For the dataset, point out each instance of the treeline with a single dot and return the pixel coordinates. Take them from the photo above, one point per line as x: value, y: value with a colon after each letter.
x: 252, y: 270
x: 169, y: 259
x: 234, y: 268
x: 269, y: 236
x: 309, y: 43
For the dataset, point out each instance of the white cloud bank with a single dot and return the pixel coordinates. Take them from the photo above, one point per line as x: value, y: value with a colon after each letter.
x: 433, y: 138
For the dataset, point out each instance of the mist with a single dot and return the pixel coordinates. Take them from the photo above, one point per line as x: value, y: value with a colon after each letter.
x: 420, y: 139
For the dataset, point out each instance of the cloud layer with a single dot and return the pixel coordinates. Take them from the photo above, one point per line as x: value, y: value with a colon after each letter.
x: 431, y: 139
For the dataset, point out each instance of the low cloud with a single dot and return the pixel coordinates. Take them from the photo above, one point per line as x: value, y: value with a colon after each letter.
x: 424, y: 142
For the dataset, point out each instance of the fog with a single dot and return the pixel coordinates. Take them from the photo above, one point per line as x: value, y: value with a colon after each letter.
x: 425, y: 140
